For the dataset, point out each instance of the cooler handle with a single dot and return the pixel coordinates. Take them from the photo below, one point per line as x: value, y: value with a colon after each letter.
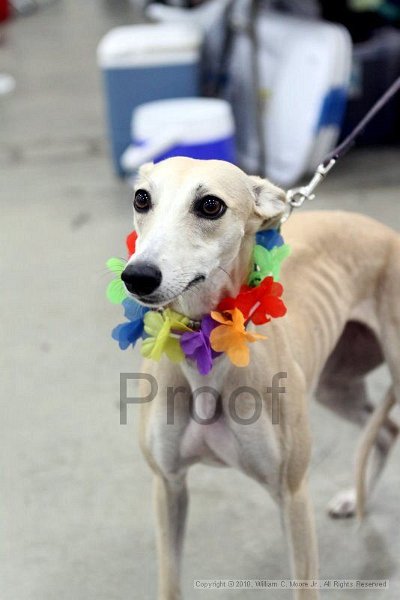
x: 135, y: 156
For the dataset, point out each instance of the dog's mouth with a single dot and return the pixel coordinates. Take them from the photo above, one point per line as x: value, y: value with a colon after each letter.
x: 197, y: 279
x: 159, y: 299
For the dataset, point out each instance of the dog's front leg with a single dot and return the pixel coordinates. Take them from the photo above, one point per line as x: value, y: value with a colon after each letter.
x: 301, y: 536
x: 171, y: 501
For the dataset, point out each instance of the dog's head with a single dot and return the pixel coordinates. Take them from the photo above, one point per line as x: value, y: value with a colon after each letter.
x: 192, y: 217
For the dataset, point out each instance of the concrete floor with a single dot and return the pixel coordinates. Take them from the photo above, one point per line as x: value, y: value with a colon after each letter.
x: 76, y: 518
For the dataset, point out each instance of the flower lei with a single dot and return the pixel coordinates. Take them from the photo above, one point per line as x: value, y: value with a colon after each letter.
x: 165, y: 331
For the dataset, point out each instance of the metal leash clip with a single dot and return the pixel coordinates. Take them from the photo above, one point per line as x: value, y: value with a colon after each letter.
x: 295, y: 197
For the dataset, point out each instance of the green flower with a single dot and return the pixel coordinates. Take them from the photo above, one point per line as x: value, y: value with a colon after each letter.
x: 267, y: 263
x: 160, y: 327
x: 116, y: 292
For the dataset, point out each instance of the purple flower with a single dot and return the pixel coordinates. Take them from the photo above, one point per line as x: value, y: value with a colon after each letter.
x: 196, y: 345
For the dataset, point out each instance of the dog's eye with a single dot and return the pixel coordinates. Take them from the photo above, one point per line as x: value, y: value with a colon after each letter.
x: 210, y: 207
x: 142, y: 201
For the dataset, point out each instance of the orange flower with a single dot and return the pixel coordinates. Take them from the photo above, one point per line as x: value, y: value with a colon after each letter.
x: 231, y: 336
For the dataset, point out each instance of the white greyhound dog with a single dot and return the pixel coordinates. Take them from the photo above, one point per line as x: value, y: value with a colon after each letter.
x: 196, y: 223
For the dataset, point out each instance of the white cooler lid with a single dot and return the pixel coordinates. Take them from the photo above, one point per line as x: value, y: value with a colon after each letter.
x: 149, y: 44
x: 197, y: 120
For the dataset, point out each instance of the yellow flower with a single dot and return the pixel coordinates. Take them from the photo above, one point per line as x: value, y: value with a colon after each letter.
x: 231, y: 336
x: 158, y: 327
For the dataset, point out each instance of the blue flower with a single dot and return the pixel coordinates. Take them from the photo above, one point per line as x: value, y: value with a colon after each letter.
x: 133, y: 310
x: 269, y: 239
x: 128, y: 333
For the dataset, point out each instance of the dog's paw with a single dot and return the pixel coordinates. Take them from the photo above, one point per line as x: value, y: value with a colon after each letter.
x: 343, y: 505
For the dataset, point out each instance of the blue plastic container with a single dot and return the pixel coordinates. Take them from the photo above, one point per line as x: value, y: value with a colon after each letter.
x: 194, y: 127
x: 141, y: 63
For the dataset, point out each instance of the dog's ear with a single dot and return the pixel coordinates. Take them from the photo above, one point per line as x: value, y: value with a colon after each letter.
x: 269, y: 203
x: 145, y: 170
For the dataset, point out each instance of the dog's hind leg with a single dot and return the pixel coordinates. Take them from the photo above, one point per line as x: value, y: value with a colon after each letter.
x: 389, y: 316
x: 370, y: 435
x: 349, y: 399
x: 171, y: 501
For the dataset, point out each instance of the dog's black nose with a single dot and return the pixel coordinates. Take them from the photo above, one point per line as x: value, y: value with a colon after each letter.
x: 141, y: 279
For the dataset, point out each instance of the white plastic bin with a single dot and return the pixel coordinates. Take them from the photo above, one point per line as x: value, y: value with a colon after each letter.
x: 196, y: 127
x: 304, y: 71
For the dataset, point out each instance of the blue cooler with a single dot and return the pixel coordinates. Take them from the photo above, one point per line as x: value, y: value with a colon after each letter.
x: 194, y: 127
x: 141, y: 63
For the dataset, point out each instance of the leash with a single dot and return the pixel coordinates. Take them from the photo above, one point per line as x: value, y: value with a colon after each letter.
x: 297, y: 196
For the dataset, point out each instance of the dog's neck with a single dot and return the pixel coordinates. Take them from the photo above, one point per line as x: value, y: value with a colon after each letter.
x: 224, y: 281
x: 201, y: 301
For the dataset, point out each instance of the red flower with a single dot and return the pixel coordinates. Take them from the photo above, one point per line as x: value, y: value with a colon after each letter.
x: 131, y: 243
x: 259, y: 303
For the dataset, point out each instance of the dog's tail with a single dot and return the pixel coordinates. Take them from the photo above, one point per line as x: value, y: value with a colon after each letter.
x: 368, y: 440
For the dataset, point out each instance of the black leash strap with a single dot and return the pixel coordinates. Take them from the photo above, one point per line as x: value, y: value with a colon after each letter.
x: 296, y: 196
x: 349, y: 141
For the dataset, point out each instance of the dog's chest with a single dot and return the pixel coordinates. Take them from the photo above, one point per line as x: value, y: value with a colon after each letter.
x: 218, y: 439
x: 212, y: 443
x: 215, y: 433
x: 207, y: 436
